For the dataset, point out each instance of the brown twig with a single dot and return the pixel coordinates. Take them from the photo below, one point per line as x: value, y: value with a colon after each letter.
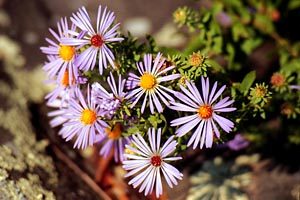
x: 102, y: 165
x: 84, y: 176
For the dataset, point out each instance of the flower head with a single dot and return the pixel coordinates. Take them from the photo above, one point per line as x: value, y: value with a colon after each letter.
x: 84, y: 121
x: 149, y: 83
x: 180, y: 15
x: 109, y: 102
x: 237, y: 143
x: 287, y: 109
x: 113, y: 141
x: 96, y: 40
x: 195, y: 60
x: 205, y: 113
x: 278, y: 80
x: 61, y: 56
x: 148, y: 163
x: 63, y: 90
x: 259, y: 94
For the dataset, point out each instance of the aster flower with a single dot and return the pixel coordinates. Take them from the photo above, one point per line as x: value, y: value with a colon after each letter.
x: 96, y: 40
x: 63, y: 90
x: 113, y: 141
x: 149, y: 83
x: 109, y: 102
x: 83, y: 121
x: 278, y: 80
x: 148, y: 163
x: 237, y: 143
x: 205, y: 113
x: 59, y: 113
x: 61, y: 57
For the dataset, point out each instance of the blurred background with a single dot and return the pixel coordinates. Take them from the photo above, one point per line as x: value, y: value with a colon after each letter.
x: 27, y: 21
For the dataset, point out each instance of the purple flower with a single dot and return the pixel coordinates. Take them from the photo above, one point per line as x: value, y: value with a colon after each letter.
x: 109, y: 102
x: 83, y: 121
x: 113, y: 141
x: 96, y: 40
x: 296, y: 87
x: 61, y: 57
x: 60, y: 112
x: 238, y: 143
x: 205, y: 113
x: 149, y: 83
x: 63, y: 90
x: 147, y: 164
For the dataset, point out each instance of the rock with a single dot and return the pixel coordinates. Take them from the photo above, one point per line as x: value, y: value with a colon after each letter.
x: 28, y: 169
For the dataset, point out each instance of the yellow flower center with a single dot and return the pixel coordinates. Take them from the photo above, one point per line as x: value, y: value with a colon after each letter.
x: 260, y: 91
x: 156, y: 161
x: 205, y: 111
x: 88, y: 116
x: 66, y: 52
x: 97, y: 41
x: 147, y: 81
x: 115, y: 133
x: 196, y: 60
x: 180, y: 15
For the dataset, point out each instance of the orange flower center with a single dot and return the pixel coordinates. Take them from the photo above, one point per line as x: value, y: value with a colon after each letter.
x: 260, y: 91
x: 287, y: 109
x: 278, y: 80
x: 115, y: 133
x: 147, y: 81
x: 205, y: 111
x: 66, y: 52
x: 97, y: 41
x: 196, y: 60
x: 156, y: 161
x: 65, y: 79
x: 88, y: 116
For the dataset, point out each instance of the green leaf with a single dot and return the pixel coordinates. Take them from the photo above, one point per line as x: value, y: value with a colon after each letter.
x: 263, y: 115
x: 293, y: 4
x: 132, y: 130
x: 217, y: 47
x: 127, y: 111
x: 231, y: 53
x: 264, y: 23
x: 247, y: 82
x: 250, y: 44
x: 206, y: 17
x: 154, y: 120
x: 239, y: 31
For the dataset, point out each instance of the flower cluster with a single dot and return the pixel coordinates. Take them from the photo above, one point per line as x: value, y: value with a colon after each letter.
x: 95, y: 102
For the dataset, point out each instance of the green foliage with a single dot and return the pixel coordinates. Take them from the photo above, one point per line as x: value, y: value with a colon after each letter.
x: 230, y: 33
x: 247, y: 82
x: 221, y: 41
x: 194, y: 66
